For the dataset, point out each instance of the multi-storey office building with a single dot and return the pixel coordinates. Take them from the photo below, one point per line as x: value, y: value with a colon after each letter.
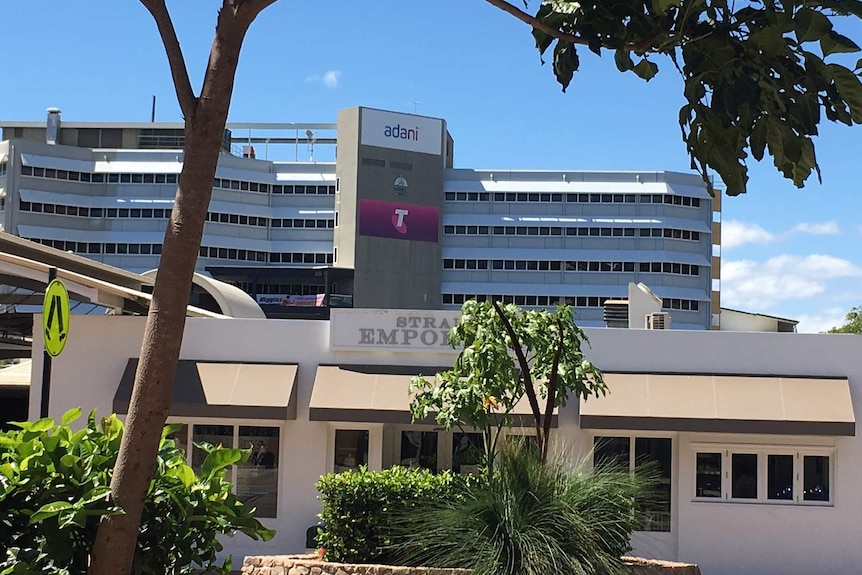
x: 390, y: 223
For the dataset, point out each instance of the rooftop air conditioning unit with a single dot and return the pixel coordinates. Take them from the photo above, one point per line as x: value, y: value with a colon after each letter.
x: 658, y: 320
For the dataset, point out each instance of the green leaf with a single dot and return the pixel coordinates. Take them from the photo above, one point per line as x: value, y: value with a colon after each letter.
x: 811, y: 25
x: 219, y: 459
x: 859, y: 64
x: 623, y: 60
x: 850, y: 89
x: 70, y: 416
x: 187, y: 475
x: 835, y: 43
x: 645, y: 69
x: 566, y: 62
x: 661, y: 6
x: 49, y: 510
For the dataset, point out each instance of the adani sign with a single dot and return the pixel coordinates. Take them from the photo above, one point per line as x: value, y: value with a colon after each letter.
x: 398, y: 221
x: 401, y: 132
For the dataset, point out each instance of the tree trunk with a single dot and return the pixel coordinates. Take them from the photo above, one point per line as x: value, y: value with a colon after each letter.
x: 205, y: 119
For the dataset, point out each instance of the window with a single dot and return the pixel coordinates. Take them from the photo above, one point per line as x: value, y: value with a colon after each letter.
x: 351, y: 449
x: 467, y: 452
x: 257, y: 479
x: 743, y: 471
x: 642, y: 453
x: 419, y: 449
x: 764, y: 475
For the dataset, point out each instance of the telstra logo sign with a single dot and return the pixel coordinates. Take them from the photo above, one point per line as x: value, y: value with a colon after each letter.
x: 398, y: 221
x: 398, y: 216
x: 400, y: 133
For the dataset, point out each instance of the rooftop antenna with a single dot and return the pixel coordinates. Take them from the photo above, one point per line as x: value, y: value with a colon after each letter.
x: 311, y: 139
x: 416, y: 104
x: 153, y: 111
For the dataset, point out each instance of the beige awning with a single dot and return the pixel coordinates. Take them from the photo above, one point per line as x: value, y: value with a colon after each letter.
x: 722, y: 403
x: 226, y: 390
x: 377, y: 394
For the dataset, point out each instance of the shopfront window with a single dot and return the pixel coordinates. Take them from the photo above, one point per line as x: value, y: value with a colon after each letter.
x: 743, y: 471
x: 214, y: 435
x: 779, y: 477
x: 419, y: 449
x: 816, y: 478
x: 467, y: 452
x: 351, y: 449
x: 257, y: 479
x: 653, y: 454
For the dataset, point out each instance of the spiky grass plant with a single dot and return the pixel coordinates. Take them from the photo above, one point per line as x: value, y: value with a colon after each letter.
x: 528, y: 519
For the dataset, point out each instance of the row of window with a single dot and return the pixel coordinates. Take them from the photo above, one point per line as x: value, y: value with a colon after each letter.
x: 774, y: 475
x: 686, y: 201
x: 164, y: 213
x: 222, y: 183
x: 275, y: 257
x: 285, y: 289
x: 571, y: 266
x: 146, y: 249
x: 3, y: 167
x: 669, y: 233
x: 97, y: 177
x: 101, y: 248
x: 545, y: 300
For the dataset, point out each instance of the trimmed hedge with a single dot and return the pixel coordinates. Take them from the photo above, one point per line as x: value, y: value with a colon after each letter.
x: 358, y: 505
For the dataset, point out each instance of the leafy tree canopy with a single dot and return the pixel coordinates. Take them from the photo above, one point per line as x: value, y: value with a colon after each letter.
x: 757, y: 74
x: 854, y: 322
x: 508, y: 354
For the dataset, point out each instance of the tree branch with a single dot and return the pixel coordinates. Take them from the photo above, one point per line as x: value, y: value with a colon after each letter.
x: 525, y: 369
x: 552, y: 389
x: 536, y: 23
x: 179, y: 72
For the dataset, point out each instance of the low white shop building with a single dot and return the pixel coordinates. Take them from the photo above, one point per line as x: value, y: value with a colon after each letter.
x: 755, y: 432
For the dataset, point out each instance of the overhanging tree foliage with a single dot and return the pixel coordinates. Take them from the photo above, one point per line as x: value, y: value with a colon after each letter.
x: 205, y: 116
x: 508, y: 354
x: 853, y: 322
x: 755, y: 73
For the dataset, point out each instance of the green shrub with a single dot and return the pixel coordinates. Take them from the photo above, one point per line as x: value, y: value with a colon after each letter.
x: 357, y: 506
x: 528, y: 519
x: 54, y: 486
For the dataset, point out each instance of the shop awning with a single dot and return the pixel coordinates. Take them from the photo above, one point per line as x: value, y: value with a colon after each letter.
x: 225, y: 390
x: 722, y: 403
x: 376, y: 394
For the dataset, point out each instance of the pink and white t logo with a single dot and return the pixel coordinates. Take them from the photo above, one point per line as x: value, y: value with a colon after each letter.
x: 399, y: 221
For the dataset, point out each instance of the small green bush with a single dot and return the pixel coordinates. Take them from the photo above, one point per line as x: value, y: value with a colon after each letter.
x: 529, y: 518
x: 357, y: 506
x: 55, y: 485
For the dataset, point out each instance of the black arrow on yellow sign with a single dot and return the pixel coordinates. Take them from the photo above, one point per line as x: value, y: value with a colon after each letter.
x: 55, y: 311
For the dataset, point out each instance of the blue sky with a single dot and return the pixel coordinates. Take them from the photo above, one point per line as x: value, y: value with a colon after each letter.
x: 787, y: 252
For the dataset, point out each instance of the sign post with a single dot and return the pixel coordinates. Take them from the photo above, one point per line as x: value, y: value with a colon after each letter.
x: 55, y: 331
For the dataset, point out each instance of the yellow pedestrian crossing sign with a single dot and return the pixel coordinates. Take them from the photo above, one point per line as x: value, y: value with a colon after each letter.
x: 55, y: 318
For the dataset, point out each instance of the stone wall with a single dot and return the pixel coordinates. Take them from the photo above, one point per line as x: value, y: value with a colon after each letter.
x: 312, y: 565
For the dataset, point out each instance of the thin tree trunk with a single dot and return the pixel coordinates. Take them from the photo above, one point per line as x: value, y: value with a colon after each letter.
x: 205, y: 119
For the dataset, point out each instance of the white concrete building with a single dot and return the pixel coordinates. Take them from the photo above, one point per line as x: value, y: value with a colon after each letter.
x: 755, y: 432
x: 303, y: 236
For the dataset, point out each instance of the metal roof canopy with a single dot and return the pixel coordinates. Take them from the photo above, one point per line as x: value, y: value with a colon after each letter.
x: 24, y: 265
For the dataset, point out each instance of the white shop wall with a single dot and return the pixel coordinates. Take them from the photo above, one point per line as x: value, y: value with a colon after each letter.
x: 88, y: 371
x: 724, y: 538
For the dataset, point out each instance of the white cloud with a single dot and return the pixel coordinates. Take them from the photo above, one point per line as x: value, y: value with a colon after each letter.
x: 821, y: 321
x: 758, y: 285
x: 735, y: 233
x: 329, y: 78
x: 829, y: 228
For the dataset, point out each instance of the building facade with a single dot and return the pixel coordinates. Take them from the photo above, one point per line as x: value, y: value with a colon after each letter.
x: 754, y: 433
x: 305, y: 236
